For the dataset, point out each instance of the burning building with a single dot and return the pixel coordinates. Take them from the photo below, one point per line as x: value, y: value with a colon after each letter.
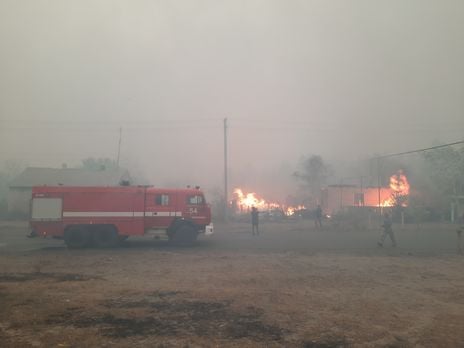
x: 337, y: 197
x: 333, y: 198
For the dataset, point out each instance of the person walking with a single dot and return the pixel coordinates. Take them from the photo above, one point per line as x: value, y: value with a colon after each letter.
x: 387, y: 231
x: 254, y: 221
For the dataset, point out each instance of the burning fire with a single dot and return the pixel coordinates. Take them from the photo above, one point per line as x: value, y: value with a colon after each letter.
x: 292, y: 210
x: 399, y: 187
x: 244, y: 202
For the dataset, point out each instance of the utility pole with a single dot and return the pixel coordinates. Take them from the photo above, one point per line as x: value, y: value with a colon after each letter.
x: 378, y: 186
x: 226, y: 198
x: 341, y: 193
x: 119, y: 146
x: 362, y: 191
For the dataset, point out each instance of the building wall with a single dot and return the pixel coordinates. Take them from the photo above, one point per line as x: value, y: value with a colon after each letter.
x: 335, y: 198
x: 19, y: 199
x: 338, y: 197
x: 371, y: 196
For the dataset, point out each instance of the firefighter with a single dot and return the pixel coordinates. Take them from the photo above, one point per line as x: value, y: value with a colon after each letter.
x: 387, y: 231
x: 254, y: 221
x: 318, y: 217
x: 459, y: 231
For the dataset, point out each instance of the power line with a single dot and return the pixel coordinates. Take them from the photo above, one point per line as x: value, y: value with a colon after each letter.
x: 379, y: 158
x: 98, y: 129
x: 113, y: 121
x: 420, y: 150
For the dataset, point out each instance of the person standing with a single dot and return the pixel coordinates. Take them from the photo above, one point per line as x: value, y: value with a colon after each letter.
x: 459, y: 231
x: 254, y: 221
x: 318, y: 217
x: 387, y: 231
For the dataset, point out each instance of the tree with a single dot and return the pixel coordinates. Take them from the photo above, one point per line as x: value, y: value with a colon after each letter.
x: 92, y: 163
x: 445, y: 168
x: 313, y: 172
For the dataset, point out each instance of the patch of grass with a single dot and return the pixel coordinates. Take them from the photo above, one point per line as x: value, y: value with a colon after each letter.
x: 60, y: 277
x: 166, y: 316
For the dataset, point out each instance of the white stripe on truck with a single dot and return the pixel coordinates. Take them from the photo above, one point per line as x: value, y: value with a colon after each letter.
x: 98, y: 214
x: 163, y: 213
x: 80, y: 214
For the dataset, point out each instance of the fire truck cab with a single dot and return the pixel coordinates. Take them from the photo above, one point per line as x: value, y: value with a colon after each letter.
x: 102, y: 216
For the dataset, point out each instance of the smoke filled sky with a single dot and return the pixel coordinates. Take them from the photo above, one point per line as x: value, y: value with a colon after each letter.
x: 343, y: 79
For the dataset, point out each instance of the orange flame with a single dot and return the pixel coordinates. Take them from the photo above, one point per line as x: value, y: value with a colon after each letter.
x: 399, y: 187
x: 292, y: 210
x: 399, y: 183
x: 244, y: 202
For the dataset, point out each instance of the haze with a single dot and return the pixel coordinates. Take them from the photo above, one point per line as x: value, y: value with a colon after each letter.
x: 342, y: 79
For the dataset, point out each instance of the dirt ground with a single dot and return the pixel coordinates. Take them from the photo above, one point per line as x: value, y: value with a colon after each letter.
x: 293, y: 286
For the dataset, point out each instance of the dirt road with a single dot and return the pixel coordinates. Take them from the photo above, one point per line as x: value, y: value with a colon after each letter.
x: 291, y: 286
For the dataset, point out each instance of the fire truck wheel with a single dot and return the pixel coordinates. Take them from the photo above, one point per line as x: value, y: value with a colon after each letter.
x: 76, y: 237
x: 184, y: 235
x: 105, y: 236
x: 122, y: 238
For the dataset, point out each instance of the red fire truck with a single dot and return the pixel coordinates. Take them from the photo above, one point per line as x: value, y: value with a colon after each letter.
x: 102, y: 216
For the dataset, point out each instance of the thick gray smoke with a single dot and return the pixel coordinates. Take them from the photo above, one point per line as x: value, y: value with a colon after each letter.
x: 340, y: 79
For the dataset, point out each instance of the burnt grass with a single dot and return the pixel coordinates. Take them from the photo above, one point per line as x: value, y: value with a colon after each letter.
x: 167, y: 316
x: 60, y: 277
x: 327, y: 343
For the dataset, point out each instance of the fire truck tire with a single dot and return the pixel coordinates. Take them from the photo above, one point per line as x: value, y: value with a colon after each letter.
x: 184, y: 234
x: 122, y: 238
x: 76, y: 237
x: 105, y: 236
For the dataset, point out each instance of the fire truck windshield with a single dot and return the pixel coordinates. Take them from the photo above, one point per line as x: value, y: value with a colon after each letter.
x: 195, y: 199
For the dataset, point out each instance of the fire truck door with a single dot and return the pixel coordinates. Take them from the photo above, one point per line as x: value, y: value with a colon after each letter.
x: 196, y: 207
x: 160, y: 209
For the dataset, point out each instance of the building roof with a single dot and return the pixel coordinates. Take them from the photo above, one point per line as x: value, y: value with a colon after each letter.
x: 342, y: 185
x: 33, y: 176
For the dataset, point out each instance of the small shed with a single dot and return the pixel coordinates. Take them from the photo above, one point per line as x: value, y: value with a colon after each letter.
x: 337, y: 197
x: 20, y: 190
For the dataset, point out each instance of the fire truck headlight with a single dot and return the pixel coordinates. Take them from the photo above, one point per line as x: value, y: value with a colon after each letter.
x: 209, y: 229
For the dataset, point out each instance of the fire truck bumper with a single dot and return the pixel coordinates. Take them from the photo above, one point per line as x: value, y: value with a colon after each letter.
x: 209, y: 229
